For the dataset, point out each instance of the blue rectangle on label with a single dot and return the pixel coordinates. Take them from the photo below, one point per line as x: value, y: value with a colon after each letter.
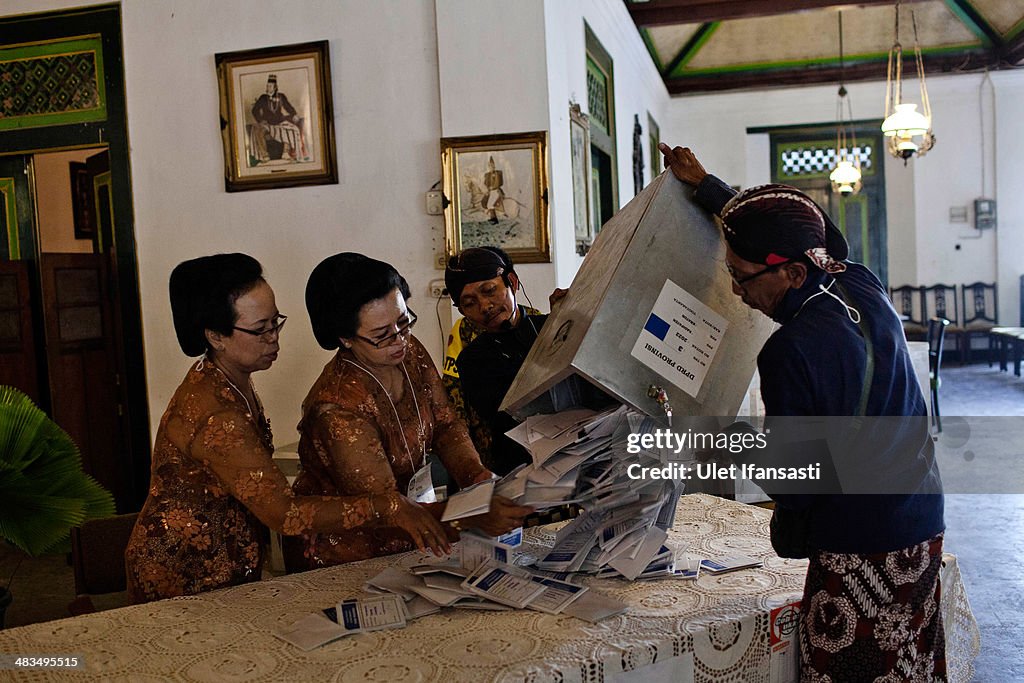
x: 657, y: 327
x: 350, y: 615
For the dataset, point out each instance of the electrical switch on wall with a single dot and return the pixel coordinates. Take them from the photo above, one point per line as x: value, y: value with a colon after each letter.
x: 434, y: 204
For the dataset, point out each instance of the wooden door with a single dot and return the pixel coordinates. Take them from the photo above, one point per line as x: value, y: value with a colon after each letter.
x: 18, y: 361
x: 83, y: 369
x: 803, y: 158
x: 20, y: 327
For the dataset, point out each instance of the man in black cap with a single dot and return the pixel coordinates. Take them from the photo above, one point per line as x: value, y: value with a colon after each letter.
x: 839, y: 351
x: 483, y: 284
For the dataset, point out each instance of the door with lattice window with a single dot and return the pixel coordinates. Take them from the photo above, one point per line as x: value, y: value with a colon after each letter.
x: 804, y: 158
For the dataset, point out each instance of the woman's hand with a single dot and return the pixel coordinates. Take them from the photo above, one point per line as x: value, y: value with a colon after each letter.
x: 683, y: 163
x: 504, y: 516
x: 415, y: 520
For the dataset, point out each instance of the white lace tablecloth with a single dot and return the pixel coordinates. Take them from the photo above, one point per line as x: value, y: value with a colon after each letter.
x: 713, y: 629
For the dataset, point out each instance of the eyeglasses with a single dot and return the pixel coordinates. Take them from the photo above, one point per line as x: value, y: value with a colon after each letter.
x: 403, y: 332
x: 267, y: 335
x: 740, y: 281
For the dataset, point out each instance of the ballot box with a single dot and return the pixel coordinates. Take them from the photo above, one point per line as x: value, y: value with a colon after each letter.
x: 651, y: 310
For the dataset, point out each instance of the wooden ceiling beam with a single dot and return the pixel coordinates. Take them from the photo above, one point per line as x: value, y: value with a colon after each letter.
x: 664, y: 12
x: 1013, y: 52
x: 974, y: 21
x: 865, y: 71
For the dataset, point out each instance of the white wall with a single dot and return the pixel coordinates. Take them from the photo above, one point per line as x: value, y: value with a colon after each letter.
x: 922, y: 241
x: 1009, y: 181
x: 492, y: 65
x: 405, y: 73
x: 514, y: 65
x: 639, y: 90
x: 387, y: 125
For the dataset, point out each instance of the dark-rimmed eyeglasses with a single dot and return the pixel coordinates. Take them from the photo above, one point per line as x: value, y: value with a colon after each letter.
x: 403, y: 332
x: 740, y: 281
x: 266, y: 335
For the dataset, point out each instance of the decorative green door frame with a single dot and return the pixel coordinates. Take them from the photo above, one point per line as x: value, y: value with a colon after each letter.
x: 79, y: 123
x: 9, y: 215
x: 802, y: 157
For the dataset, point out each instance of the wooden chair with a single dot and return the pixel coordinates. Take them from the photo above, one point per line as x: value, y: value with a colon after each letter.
x: 909, y: 304
x: 941, y: 301
x: 936, y: 337
x: 981, y: 312
x: 97, y: 555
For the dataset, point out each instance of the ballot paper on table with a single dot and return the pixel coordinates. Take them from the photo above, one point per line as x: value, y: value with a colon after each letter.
x: 420, y: 607
x: 557, y: 594
x: 444, y: 581
x: 475, y: 500
x: 475, y: 550
x: 311, y: 631
x: 632, y: 566
x: 728, y: 563
x: 372, y: 613
x: 395, y: 580
x: 450, y: 565
x: 501, y: 583
x: 441, y: 596
x: 594, y: 607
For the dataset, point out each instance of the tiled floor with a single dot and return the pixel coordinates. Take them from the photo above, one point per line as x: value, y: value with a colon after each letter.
x: 985, y: 530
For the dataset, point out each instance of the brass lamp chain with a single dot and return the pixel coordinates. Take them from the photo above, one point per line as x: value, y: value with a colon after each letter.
x: 926, y: 106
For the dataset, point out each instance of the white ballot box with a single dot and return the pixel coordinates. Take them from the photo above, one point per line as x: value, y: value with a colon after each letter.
x: 652, y: 305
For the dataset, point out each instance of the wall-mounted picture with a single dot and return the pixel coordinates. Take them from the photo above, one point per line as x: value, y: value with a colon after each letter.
x: 277, y: 117
x: 82, y: 203
x: 497, y: 190
x: 579, y: 141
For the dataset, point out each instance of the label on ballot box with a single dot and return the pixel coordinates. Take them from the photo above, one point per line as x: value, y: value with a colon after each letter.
x: 680, y: 338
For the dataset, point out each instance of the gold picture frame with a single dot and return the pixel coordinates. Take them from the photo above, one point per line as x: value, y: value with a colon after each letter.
x: 496, y: 187
x: 277, y: 118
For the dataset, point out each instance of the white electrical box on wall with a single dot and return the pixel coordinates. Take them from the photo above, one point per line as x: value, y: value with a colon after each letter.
x: 434, y: 205
x: 984, y: 213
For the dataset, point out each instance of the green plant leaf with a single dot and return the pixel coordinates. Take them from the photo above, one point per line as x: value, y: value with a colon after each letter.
x: 43, y: 490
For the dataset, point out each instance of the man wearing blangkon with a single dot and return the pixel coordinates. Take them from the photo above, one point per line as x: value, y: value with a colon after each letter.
x: 870, y: 604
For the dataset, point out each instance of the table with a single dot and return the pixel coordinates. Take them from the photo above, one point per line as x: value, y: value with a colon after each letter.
x: 718, y: 627
x: 1003, y: 337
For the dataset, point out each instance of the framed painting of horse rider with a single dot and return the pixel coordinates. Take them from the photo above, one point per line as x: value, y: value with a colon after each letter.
x: 496, y: 189
x: 276, y: 117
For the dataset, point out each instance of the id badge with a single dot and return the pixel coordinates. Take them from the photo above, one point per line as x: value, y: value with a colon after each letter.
x: 421, y: 486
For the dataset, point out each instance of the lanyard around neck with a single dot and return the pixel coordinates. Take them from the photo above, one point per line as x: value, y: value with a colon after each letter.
x: 401, y: 430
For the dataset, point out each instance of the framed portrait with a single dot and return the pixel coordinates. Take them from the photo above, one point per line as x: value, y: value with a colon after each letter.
x: 579, y: 141
x: 497, y: 192
x: 277, y: 118
x: 82, y: 204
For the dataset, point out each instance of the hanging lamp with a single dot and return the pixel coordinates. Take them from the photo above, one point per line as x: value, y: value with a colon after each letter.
x: 909, y: 131
x: 845, y: 176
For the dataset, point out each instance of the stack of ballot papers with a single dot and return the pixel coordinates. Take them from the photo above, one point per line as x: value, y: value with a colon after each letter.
x: 490, y: 585
x: 579, y: 456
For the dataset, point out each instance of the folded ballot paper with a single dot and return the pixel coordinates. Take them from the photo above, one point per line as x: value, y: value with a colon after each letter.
x: 475, y: 500
x: 361, y: 615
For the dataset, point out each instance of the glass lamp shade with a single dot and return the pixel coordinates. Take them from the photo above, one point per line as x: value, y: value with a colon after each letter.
x: 906, y: 122
x: 845, y: 178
